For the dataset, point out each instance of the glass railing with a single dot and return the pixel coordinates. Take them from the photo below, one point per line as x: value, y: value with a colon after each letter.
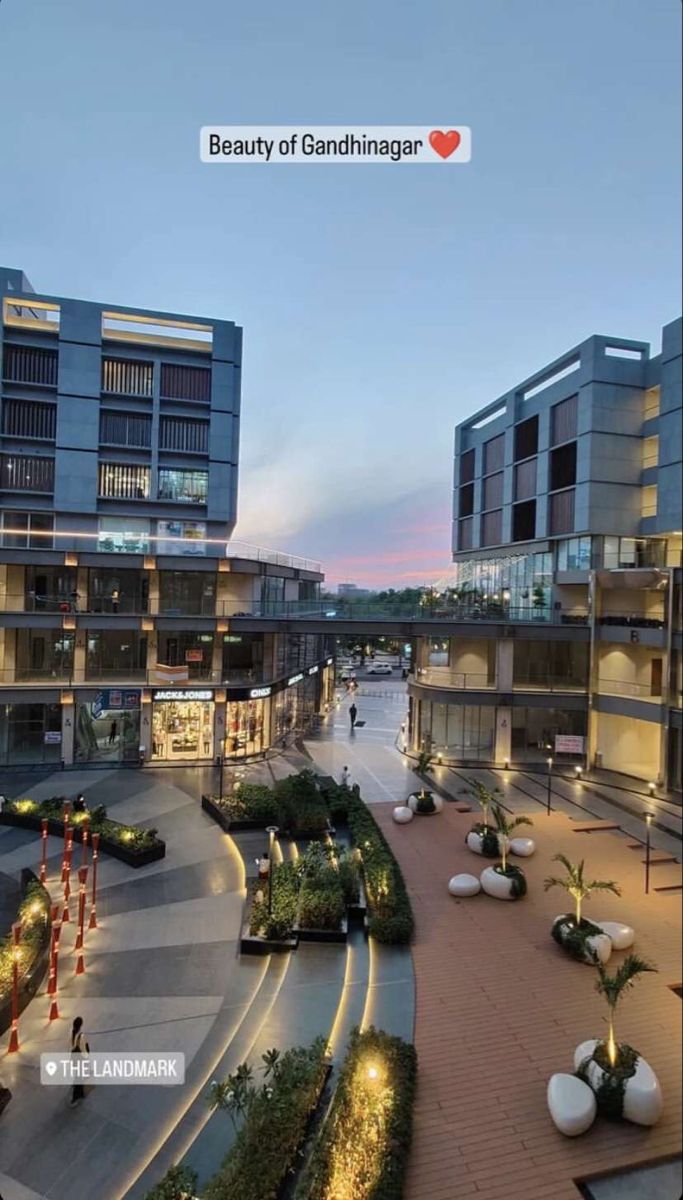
x: 634, y: 620
x: 445, y: 678
x: 621, y: 687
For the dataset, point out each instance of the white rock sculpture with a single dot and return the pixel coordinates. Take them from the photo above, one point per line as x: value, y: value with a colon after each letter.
x: 494, y: 883
x: 523, y: 847
x: 402, y: 814
x: 621, y: 936
x: 572, y: 1104
x: 464, y: 885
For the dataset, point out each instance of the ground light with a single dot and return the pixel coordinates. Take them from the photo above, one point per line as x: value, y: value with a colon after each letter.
x: 577, y: 772
x: 652, y: 786
x: 272, y: 831
x: 550, y: 784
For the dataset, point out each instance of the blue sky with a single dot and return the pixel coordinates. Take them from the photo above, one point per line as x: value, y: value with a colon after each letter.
x: 380, y: 304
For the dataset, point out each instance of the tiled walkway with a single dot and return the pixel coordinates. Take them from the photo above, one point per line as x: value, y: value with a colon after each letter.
x: 500, y: 1008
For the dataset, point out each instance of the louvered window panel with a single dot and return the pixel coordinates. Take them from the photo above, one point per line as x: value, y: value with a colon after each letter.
x: 29, y: 419
x: 29, y: 364
x: 27, y: 473
x: 185, y: 383
x: 124, y: 481
x: 492, y: 528
x: 179, y: 434
x: 125, y: 429
x: 564, y: 420
x: 562, y: 512
x: 127, y: 376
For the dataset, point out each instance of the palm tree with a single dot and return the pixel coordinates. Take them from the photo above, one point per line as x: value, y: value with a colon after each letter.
x: 485, y: 797
x: 505, y: 827
x: 577, y: 886
x: 613, y: 987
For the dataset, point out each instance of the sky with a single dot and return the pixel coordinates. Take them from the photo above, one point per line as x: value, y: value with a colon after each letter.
x: 380, y: 304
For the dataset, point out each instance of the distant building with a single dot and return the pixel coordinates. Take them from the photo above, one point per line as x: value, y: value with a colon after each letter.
x: 351, y: 591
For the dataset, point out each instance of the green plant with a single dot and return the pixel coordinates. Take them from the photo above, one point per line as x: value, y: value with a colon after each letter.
x: 613, y: 988
x: 483, y: 796
x: 424, y: 761
x: 364, y: 1145
x: 179, y: 1183
x: 574, y: 938
x: 515, y: 874
x: 33, y: 914
x: 250, y: 802
x: 349, y: 876
x: 577, y: 885
x: 300, y: 804
x: 274, y: 1116
x: 505, y: 827
x: 130, y: 836
x: 538, y: 596
x: 611, y: 1089
x: 321, y: 907
x: 278, y: 924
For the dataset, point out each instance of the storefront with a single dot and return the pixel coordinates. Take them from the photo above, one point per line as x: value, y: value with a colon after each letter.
x: 107, y: 725
x: 183, y: 724
x: 30, y: 732
x: 247, y: 724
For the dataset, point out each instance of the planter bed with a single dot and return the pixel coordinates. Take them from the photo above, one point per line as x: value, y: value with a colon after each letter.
x: 333, y: 936
x: 34, y: 970
x: 132, y: 858
x: 221, y: 818
x: 251, y: 943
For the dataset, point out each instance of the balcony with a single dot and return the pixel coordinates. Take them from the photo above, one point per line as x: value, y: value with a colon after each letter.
x: 634, y: 691
x: 443, y: 677
x: 632, y: 620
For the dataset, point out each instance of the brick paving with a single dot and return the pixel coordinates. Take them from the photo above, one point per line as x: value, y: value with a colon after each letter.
x: 500, y: 1008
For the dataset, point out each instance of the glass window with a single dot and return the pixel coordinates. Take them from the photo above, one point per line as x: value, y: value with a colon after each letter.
x: 30, y: 733
x: 123, y: 535
x: 31, y: 531
x: 574, y: 554
x: 191, y: 650
x: 181, y: 537
x: 108, y: 734
x: 124, y: 481
x: 187, y: 487
x: 116, y: 654
x: 187, y: 593
x: 44, y: 654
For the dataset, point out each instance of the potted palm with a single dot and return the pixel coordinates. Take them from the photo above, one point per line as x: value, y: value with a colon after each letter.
x: 482, y: 837
x: 505, y: 881
x: 580, y: 938
x: 625, y: 1086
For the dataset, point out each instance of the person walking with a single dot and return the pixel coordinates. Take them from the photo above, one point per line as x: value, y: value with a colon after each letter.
x: 353, y: 713
x: 113, y: 731
x: 345, y: 777
x: 115, y: 598
x: 78, y: 1046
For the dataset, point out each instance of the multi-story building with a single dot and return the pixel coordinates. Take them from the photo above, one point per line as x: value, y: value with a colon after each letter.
x: 119, y: 435
x: 567, y: 524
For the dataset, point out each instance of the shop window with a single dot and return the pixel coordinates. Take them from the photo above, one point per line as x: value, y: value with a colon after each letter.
x: 50, y: 589
x: 30, y: 733
x: 526, y: 439
x: 114, y: 591
x: 182, y: 730
x: 191, y: 650
x: 116, y: 654
x: 563, y: 467
x: 108, y: 727
x: 187, y: 593
x: 44, y: 654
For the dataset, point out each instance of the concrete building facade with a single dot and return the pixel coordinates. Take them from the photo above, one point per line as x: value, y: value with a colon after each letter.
x: 567, y: 522
x: 119, y: 435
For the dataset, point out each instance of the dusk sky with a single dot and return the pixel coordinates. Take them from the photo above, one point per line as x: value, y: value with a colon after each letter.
x: 380, y: 304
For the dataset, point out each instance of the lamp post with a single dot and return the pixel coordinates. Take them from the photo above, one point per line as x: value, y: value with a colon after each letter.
x: 85, y: 834
x: 43, y: 857
x: 92, y: 924
x: 550, y: 784
x: 16, y: 954
x: 272, y: 831
x: 54, y: 960
x: 66, y: 873
x: 221, y: 767
x: 648, y: 823
x: 82, y: 879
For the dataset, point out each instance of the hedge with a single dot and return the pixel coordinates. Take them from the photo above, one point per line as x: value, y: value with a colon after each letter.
x: 391, y: 914
x: 179, y: 1183
x: 265, y: 1149
x: 131, y: 837
x: 34, y: 914
x: 302, y: 809
x: 251, y: 802
x: 279, y: 923
x: 363, y: 1147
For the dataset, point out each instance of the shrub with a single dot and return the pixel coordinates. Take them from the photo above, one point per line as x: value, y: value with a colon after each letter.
x: 363, y: 1147
x: 279, y: 924
x: 322, y: 901
x: 251, y: 802
x: 275, y: 1120
x: 349, y: 876
x: 179, y: 1183
x: 34, y: 914
x: 130, y: 836
x: 300, y: 804
x: 391, y: 915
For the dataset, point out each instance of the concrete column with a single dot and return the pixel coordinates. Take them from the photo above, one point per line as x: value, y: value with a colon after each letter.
x: 504, y: 664
x: 153, y: 592
x: 503, y: 749
x: 217, y: 659
x: 82, y: 589
x: 68, y: 721
x: 146, y: 728
x: 152, y: 652
x: 219, y: 728
x: 8, y: 655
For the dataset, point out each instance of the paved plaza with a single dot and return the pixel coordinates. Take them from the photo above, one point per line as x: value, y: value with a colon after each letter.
x: 493, y: 1005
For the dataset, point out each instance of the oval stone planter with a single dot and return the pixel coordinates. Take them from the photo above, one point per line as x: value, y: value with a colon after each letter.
x: 402, y: 814
x: 475, y: 842
x: 464, y: 885
x: 572, y: 1104
x: 621, y: 936
x: 436, y: 800
x: 503, y: 887
x: 643, y: 1100
x: 594, y: 947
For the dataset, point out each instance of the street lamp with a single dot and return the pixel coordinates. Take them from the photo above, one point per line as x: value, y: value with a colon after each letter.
x: 272, y: 831
x: 221, y: 766
x: 550, y: 784
x: 648, y: 823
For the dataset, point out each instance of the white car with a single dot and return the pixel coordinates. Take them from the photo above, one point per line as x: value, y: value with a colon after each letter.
x: 380, y: 668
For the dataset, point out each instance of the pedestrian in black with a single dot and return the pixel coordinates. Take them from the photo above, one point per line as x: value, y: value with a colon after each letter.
x: 78, y: 1046
x: 353, y: 713
x: 113, y: 730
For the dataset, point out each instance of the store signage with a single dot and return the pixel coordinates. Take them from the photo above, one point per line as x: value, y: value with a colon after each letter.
x: 259, y: 693
x: 313, y: 670
x: 181, y: 694
x: 52, y: 739
x: 295, y: 679
x: 568, y: 743
x: 114, y: 699
x: 328, y: 662
x: 194, y: 655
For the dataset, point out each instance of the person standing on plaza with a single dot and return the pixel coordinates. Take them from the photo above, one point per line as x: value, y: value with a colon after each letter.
x: 353, y: 713
x: 78, y: 1046
x: 345, y: 777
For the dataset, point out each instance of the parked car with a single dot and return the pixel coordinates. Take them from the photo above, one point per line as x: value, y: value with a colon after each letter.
x: 347, y: 673
x: 380, y: 668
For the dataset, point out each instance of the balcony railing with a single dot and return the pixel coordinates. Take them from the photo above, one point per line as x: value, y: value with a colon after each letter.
x: 621, y: 687
x: 66, y: 677
x: 547, y: 682
x: 633, y: 620
x: 445, y: 678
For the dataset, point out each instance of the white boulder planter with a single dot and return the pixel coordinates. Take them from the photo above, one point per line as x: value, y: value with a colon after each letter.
x: 621, y: 936
x: 402, y: 814
x: 595, y: 948
x: 522, y: 847
x: 437, y: 801
x: 572, y: 1104
x: 643, y: 1099
x: 502, y: 887
x: 464, y: 885
x: 474, y: 842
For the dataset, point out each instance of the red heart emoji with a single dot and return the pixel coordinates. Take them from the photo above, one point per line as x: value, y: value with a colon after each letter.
x: 444, y: 143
